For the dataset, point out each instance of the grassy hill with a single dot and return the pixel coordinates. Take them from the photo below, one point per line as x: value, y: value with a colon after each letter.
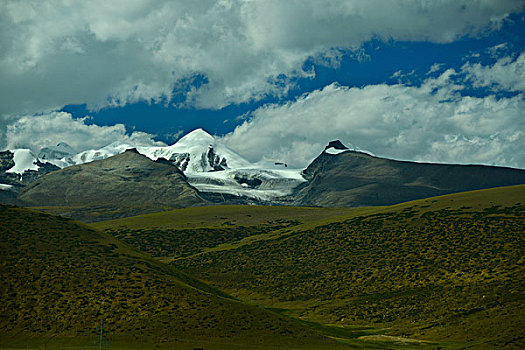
x: 447, y: 268
x: 440, y: 272
x: 60, y: 278
x: 189, y: 231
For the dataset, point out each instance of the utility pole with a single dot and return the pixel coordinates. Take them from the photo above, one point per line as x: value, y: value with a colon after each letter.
x: 101, y: 333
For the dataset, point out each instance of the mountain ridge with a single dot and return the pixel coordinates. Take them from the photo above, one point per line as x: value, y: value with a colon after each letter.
x: 353, y: 178
x: 338, y: 177
x: 210, y: 166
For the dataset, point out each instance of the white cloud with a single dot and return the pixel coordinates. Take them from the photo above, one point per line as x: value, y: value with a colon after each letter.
x: 496, y: 50
x: 397, y: 74
x: 113, y: 52
x: 432, y: 122
x: 36, y: 132
x: 435, y: 68
x: 506, y: 74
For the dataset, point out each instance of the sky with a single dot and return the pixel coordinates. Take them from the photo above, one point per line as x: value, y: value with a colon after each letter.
x: 431, y: 81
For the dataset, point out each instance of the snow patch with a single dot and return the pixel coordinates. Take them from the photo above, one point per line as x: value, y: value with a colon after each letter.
x: 5, y: 187
x: 334, y: 151
x: 98, y: 154
x: 24, y: 160
x: 56, y: 155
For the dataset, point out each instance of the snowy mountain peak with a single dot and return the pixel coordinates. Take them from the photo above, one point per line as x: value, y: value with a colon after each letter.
x: 55, y: 154
x: 196, y: 137
x: 197, y: 151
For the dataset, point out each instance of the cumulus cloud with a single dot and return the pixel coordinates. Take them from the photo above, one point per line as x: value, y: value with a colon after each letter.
x: 111, y: 53
x: 431, y: 122
x: 36, y: 132
x: 506, y: 74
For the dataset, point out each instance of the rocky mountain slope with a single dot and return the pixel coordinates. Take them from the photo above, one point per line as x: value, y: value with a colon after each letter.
x: 122, y: 185
x: 344, y: 178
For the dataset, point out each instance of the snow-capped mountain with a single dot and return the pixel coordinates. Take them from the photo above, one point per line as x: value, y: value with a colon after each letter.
x: 197, y: 152
x: 18, y: 168
x: 24, y: 159
x: 208, y: 164
x: 57, y: 155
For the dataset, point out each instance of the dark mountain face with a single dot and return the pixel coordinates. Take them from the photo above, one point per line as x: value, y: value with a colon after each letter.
x: 8, y: 194
x: 6, y: 161
x: 357, y: 179
x: 123, y: 185
x: 336, y: 144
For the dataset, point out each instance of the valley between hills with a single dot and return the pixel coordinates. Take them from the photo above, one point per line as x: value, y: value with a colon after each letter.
x: 441, y: 272
x: 189, y: 246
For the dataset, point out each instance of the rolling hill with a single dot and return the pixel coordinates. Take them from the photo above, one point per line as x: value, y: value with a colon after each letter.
x: 60, y: 278
x: 188, y: 231
x: 440, y: 272
x: 447, y: 269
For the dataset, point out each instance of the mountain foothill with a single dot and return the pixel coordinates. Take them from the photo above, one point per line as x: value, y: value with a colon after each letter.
x: 191, y: 246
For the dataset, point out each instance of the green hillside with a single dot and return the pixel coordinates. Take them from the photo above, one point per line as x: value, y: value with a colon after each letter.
x: 183, y: 232
x: 221, y: 216
x: 444, y: 272
x: 448, y: 268
x: 60, y: 278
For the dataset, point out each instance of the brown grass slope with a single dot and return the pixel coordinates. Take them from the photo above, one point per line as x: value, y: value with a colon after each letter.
x: 352, y: 179
x: 448, y: 268
x: 60, y: 278
x: 123, y: 185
